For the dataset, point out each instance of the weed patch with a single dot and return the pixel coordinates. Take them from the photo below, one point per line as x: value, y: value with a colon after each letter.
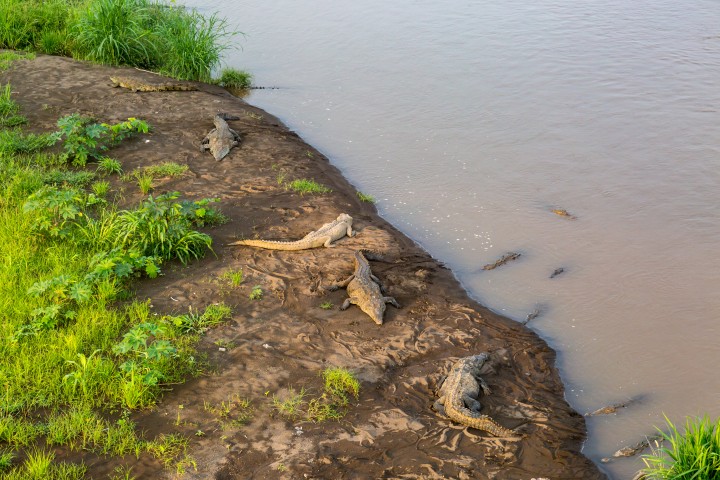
x: 304, y: 186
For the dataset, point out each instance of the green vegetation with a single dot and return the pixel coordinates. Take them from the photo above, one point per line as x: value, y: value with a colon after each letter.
x: 233, y: 79
x: 303, y: 186
x: 233, y: 277
x: 109, y: 166
x: 339, y: 383
x: 85, y: 140
x: 233, y: 414
x: 166, y: 169
x: 145, y: 183
x: 694, y: 454
x: 165, y: 38
x: 365, y: 198
x: 326, y: 305
x: 75, y: 363
x: 256, y: 293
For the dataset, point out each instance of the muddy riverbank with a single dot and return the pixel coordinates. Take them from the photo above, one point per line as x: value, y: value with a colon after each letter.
x: 284, y: 339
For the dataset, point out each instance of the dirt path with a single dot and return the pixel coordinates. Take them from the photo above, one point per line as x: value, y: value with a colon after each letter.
x: 285, y: 339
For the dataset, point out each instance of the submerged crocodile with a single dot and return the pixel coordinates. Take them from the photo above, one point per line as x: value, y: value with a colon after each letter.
x: 459, y: 396
x: 322, y: 237
x: 221, y: 138
x: 364, y: 290
x: 138, y: 86
x: 508, y: 257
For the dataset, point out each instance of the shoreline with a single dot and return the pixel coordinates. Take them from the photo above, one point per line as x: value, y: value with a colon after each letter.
x: 283, y: 340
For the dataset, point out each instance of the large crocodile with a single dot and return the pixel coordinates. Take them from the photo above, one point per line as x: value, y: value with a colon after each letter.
x: 459, y: 396
x: 138, y: 86
x: 364, y: 290
x: 221, y: 138
x: 322, y: 237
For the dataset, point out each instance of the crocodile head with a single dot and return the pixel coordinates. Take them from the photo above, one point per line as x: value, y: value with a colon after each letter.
x: 376, y: 312
x: 344, y: 217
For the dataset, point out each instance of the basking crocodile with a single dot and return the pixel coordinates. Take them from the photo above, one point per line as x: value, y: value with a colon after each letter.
x: 364, y: 290
x: 138, y: 86
x: 459, y: 396
x: 324, y: 236
x: 221, y: 138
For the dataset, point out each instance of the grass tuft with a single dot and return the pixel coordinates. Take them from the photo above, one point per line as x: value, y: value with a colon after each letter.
x: 233, y: 79
x: 304, y: 186
x: 695, y: 453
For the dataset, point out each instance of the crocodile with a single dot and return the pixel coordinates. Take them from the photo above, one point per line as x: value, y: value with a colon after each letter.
x: 221, y: 138
x: 365, y: 290
x: 322, y: 237
x: 459, y: 396
x: 508, y: 257
x: 138, y: 86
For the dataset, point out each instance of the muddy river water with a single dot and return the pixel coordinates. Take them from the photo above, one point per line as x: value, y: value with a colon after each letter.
x: 469, y: 121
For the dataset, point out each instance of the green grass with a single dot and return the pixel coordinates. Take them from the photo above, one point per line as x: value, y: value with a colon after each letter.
x: 9, y: 109
x: 692, y: 454
x: 166, y: 169
x: 233, y: 277
x: 166, y: 38
x: 73, y: 361
x: 305, y: 186
x: 326, y: 305
x: 109, y: 166
x: 365, y: 198
x: 233, y: 79
x: 340, y: 382
x: 145, y: 183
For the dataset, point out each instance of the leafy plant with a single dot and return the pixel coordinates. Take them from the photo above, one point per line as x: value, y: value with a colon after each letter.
x: 256, y: 293
x: 161, y: 227
x: 694, y: 453
x: 84, y: 140
x: 326, y: 305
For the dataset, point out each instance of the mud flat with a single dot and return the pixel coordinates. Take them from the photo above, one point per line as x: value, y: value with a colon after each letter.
x: 284, y: 339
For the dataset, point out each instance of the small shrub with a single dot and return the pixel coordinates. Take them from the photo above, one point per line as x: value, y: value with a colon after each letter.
x: 692, y: 454
x: 304, y: 186
x: 233, y: 79
x: 256, y: 293
x: 84, y: 140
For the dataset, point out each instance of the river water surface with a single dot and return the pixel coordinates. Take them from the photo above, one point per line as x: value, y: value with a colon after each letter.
x: 469, y: 121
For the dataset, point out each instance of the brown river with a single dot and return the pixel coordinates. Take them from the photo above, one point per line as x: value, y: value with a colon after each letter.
x: 470, y: 121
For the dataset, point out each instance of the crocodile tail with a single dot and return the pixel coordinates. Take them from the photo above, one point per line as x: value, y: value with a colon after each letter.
x: 372, y: 255
x: 475, y: 420
x: 273, y: 244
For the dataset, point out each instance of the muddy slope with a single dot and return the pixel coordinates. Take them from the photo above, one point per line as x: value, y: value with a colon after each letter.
x: 285, y: 339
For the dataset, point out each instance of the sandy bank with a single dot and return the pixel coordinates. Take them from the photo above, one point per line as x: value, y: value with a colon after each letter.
x: 283, y: 340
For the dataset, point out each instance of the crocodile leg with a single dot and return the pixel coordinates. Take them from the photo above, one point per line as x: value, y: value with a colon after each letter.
x: 439, y: 406
x: 350, y: 232
x: 391, y: 301
x: 328, y: 241
x: 483, y: 384
x: 339, y: 285
x: 472, y: 403
x: 347, y: 302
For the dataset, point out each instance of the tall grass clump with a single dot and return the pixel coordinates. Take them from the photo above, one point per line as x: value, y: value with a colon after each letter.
x: 693, y: 454
x: 116, y: 32
x: 166, y: 38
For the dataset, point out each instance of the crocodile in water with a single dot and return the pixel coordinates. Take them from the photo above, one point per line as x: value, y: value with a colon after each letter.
x: 459, y: 396
x: 365, y: 291
x: 138, y: 86
x: 324, y: 236
x: 221, y: 138
x: 508, y: 257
